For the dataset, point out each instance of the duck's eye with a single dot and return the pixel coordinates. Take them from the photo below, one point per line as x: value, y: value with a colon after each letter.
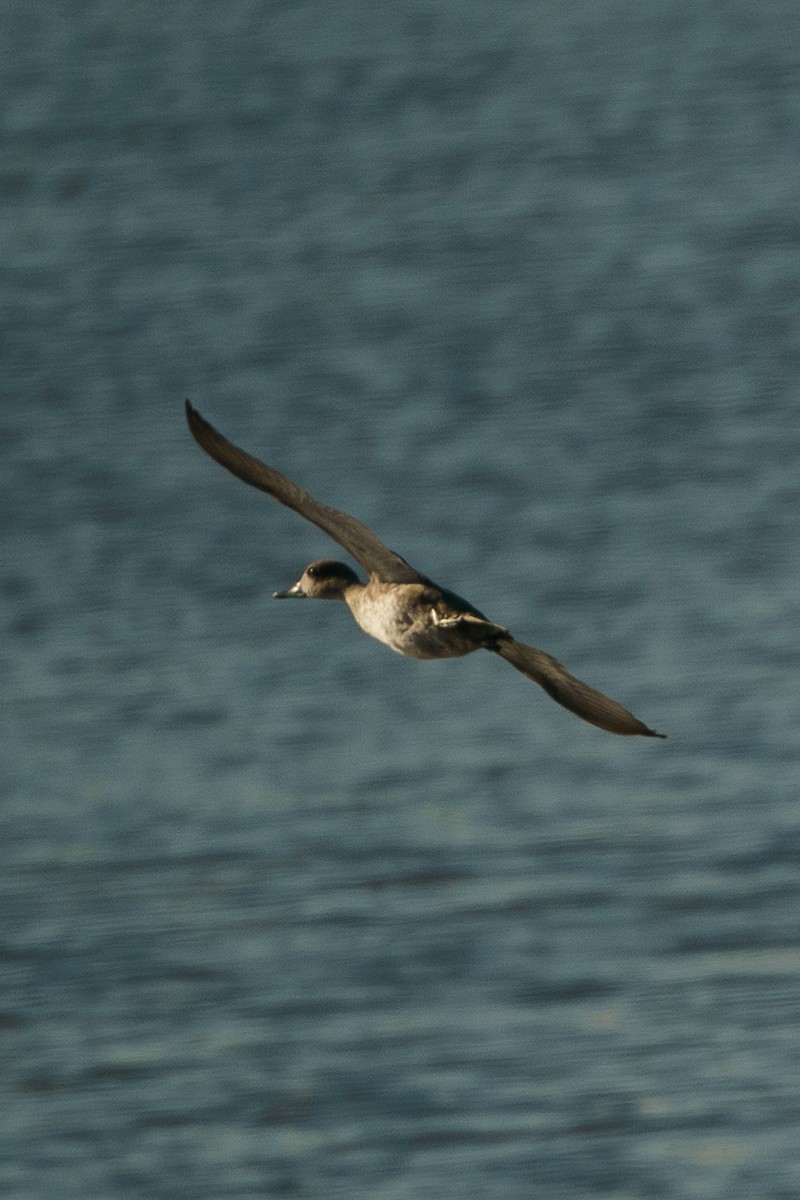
x: 311, y: 571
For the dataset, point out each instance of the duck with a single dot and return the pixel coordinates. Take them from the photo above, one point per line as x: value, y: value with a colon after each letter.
x: 401, y: 607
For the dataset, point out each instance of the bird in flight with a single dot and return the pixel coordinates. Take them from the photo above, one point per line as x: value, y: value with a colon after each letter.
x: 398, y: 605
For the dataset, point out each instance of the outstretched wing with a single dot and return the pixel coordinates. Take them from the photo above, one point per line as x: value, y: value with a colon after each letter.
x: 572, y: 693
x: 378, y: 560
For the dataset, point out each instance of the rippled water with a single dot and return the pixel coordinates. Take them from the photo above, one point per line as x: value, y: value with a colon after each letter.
x: 283, y: 914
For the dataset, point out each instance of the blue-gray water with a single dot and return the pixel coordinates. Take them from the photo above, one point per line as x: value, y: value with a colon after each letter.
x: 282, y: 914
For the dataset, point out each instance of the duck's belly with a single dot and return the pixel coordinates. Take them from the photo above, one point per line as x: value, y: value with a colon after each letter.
x: 404, y: 621
x: 428, y: 641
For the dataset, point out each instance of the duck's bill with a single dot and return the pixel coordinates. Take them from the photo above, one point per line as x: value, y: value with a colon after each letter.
x: 292, y: 593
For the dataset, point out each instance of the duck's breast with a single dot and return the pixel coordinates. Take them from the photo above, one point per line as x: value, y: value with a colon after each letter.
x: 409, y: 618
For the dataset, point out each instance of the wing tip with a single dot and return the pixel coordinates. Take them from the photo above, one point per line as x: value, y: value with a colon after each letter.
x: 200, y: 429
x: 192, y: 415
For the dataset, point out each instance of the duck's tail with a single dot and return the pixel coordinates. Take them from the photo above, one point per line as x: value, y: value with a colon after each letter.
x: 570, y: 692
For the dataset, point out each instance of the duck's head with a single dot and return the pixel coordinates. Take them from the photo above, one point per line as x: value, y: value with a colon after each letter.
x: 322, y: 580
